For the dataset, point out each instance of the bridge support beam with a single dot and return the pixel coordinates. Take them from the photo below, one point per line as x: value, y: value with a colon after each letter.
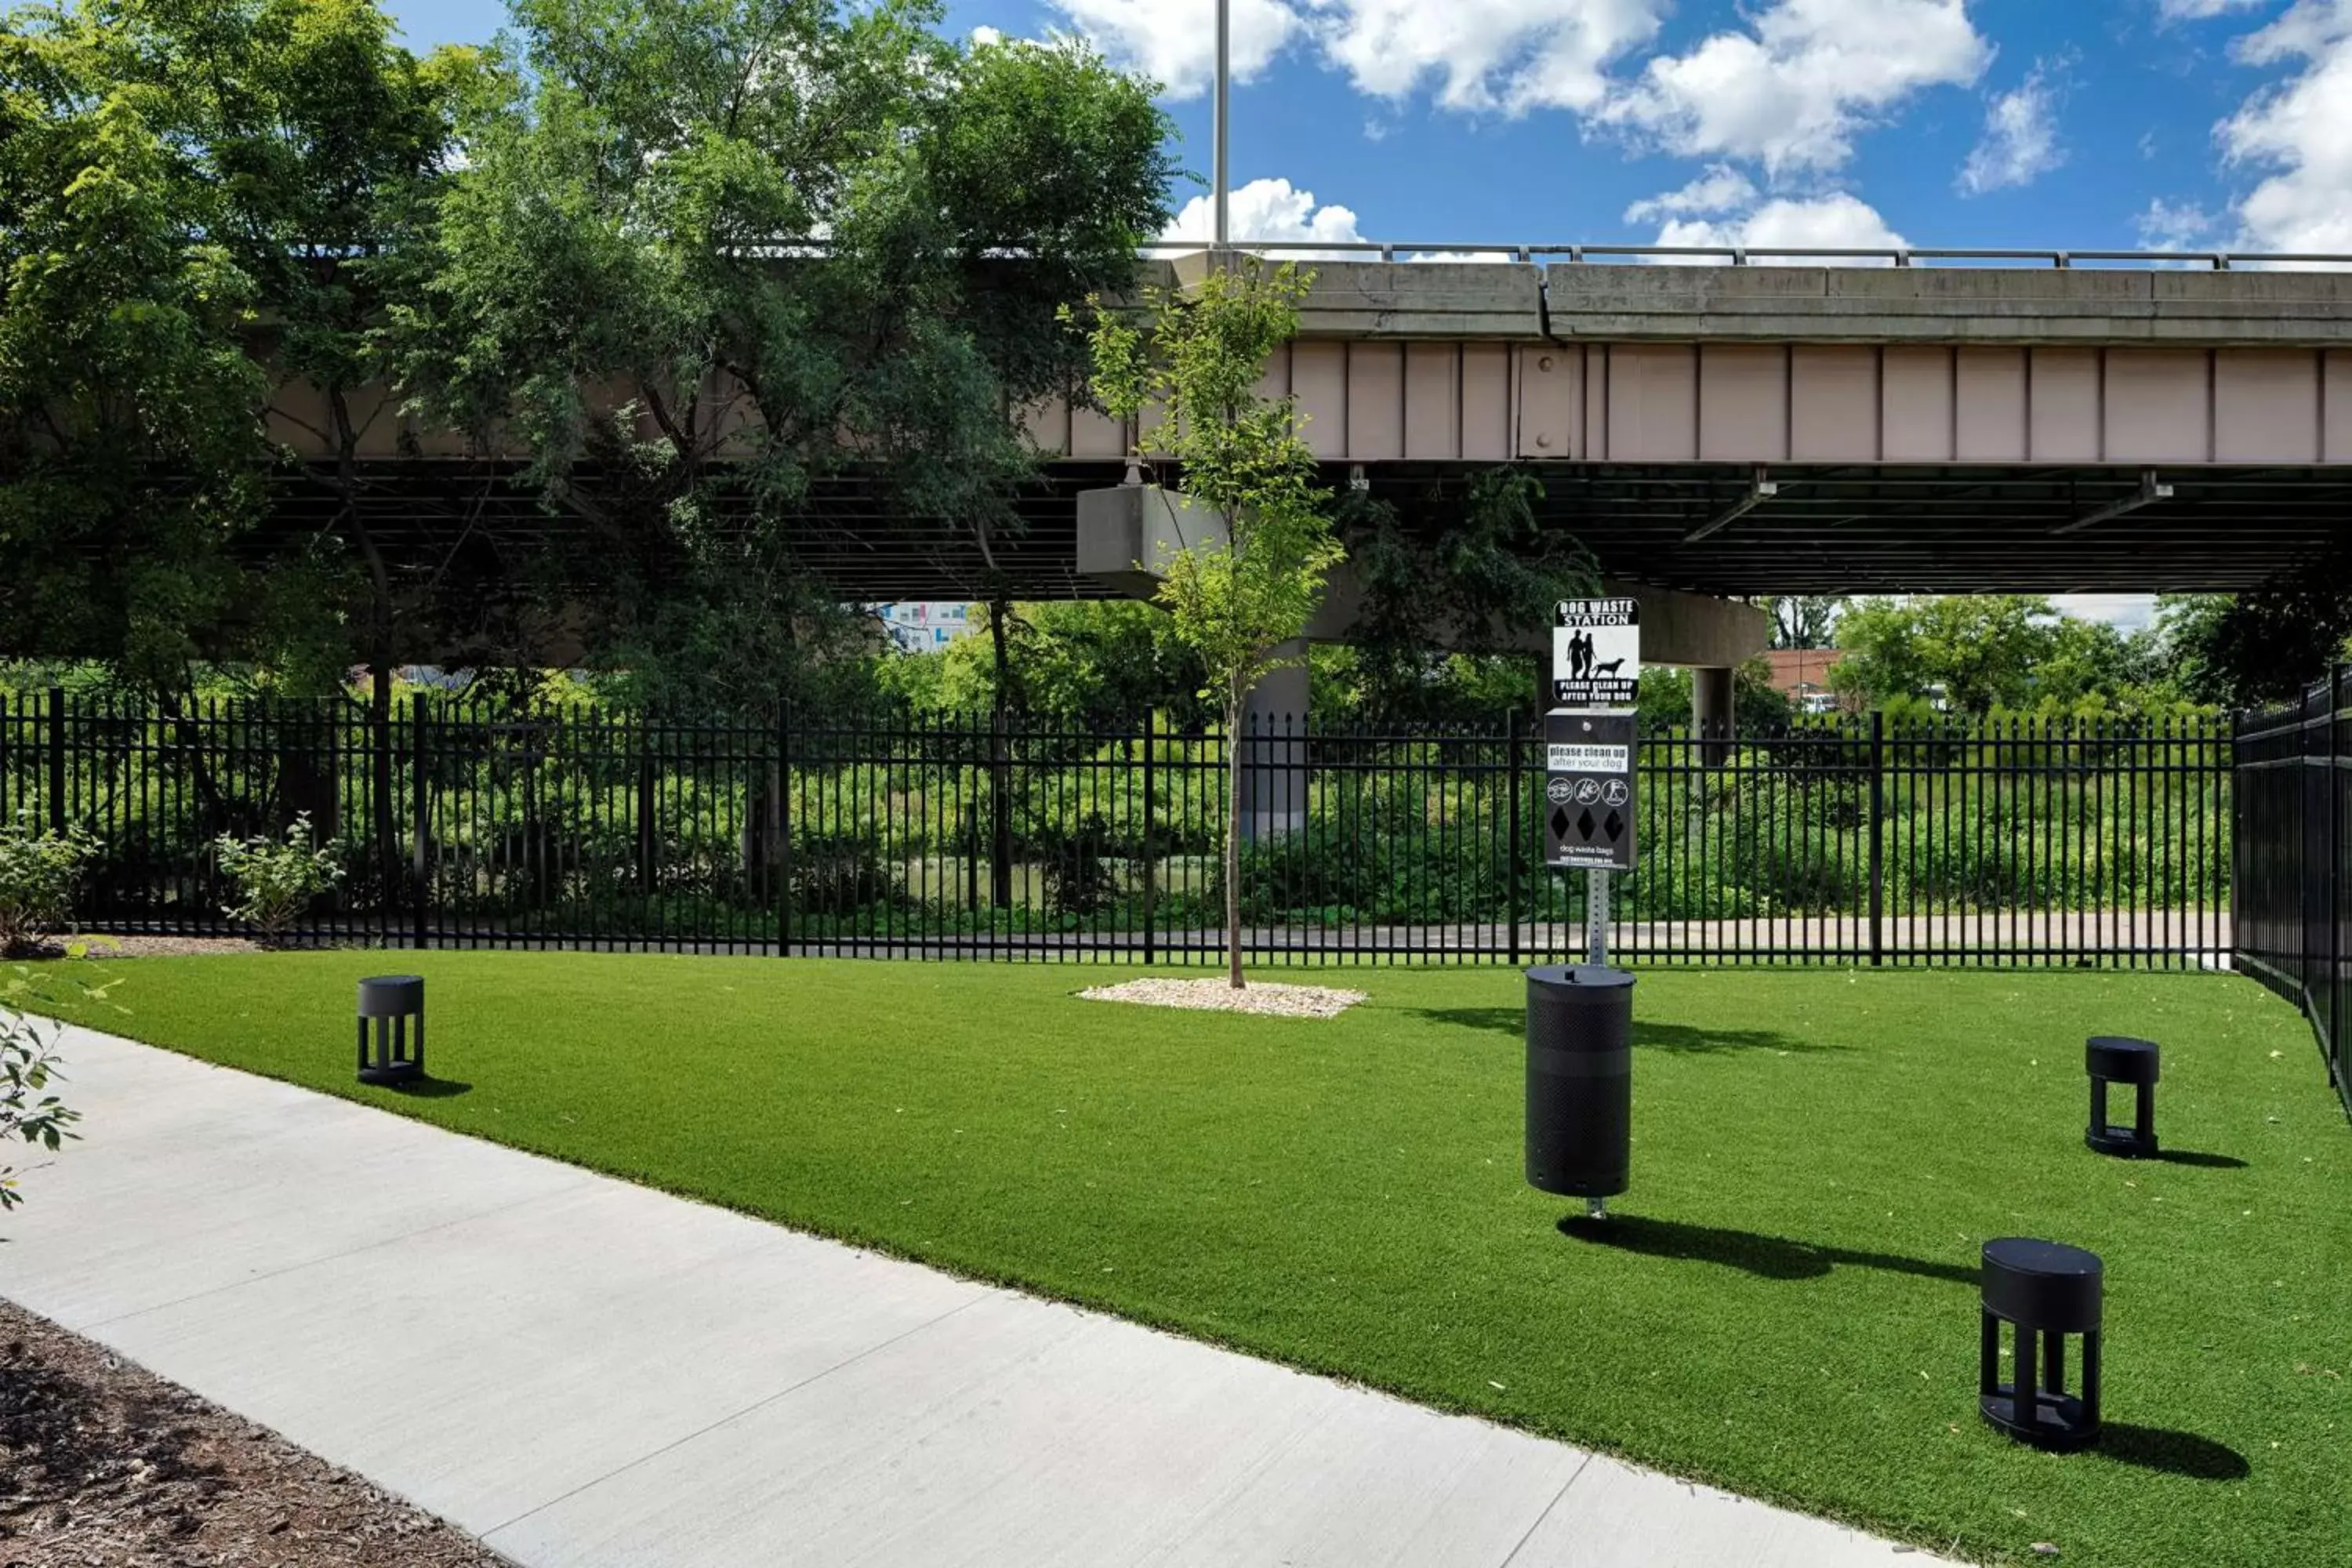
x: 1712, y: 716
x: 1274, y: 750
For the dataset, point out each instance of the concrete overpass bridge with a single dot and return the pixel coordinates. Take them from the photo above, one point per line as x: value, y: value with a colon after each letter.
x: 1953, y: 422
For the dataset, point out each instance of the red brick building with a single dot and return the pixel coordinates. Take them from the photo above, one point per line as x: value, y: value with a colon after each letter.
x: 1802, y: 674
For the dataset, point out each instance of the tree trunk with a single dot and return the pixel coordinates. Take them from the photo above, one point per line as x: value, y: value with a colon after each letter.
x: 1234, y: 698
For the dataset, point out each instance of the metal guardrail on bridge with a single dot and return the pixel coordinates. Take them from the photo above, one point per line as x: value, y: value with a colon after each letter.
x: 1753, y: 255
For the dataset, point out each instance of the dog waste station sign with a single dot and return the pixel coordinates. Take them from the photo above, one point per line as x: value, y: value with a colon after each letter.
x: 1589, y: 736
x: 1596, y: 654
x: 1588, y: 791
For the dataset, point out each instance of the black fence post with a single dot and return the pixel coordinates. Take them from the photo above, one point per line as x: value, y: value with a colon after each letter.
x: 1877, y: 837
x: 420, y: 850
x: 57, y: 759
x: 648, y: 838
x: 1511, y: 790
x: 784, y: 854
x: 1000, y: 812
x: 1150, y: 850
x: 2332, y: 793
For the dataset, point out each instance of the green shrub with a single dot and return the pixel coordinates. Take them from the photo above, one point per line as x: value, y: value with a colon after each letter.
x: 28, y: 1111
x: 39, y: 871
x: 276, y: 879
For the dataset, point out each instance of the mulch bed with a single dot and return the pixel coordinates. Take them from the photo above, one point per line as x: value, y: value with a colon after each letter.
x: 104, y: 1465
x: 96, y: 945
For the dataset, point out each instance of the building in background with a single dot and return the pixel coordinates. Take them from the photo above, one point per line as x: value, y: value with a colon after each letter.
x: 1802, y: 674
x: 923, y: 627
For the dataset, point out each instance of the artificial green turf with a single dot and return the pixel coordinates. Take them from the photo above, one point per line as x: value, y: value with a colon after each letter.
x: 1786, y: 1305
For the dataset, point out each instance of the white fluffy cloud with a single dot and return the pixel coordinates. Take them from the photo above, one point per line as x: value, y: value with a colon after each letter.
x: 2174, y: 225
x: 1267, y: 209
x: 1487, y: 56
x: 1721, y: 189
x: 1174, y: 42
x: 1837, y: 221
x: 1794, y: 88
x: 2019, y: 143
x: 1482, y: 55
x: 2301, y: 129
x: 2202, y: 10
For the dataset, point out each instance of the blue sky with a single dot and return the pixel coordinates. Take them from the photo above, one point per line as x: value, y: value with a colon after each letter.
x: 2078, y: 124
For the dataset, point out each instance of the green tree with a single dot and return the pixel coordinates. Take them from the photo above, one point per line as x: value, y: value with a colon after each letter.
x: 1976, y: 652
x: 187, y: 190
x: 1804, y: 620
x: 2257, y: 649
x: 1474, y: 583
x: 728, y: 271
x: 131, y: 443
x: 1235, y: 599
x: 1087, y: 663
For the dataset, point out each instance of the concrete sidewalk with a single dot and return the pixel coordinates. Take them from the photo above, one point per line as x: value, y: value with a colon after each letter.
x: 583, y: 1371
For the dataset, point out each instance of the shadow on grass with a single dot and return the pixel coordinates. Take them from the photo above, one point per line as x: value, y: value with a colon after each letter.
x: 1766, y: 1256
x: 2174, y: 1453
x: 431, y: 1088
x: 1679, y: 1038
x: 2204, y: 1162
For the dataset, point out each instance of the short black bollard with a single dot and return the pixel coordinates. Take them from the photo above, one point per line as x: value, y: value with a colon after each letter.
x: 389, y: 1001
x: 1579, y: 1080
x: 2047, y: 1291
x: 2110, y: 1059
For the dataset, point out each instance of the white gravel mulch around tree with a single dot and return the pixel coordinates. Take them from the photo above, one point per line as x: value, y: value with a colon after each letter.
x: 1218, y: 996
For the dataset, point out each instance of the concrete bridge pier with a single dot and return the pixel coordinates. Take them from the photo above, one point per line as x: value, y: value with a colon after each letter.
x: 1273, y: 749
x: 1712, y: 717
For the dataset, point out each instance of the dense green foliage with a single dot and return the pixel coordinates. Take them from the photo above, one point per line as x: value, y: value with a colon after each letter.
x: 275, y: 878
x: 40, y: 870
x: 1476, y: 586
x: 1976, y: 655
x: 610, y: 286
x: 1785, y: 1303
x: 2259, y: 650
x: 1081, y: 663
x: 579, y: 245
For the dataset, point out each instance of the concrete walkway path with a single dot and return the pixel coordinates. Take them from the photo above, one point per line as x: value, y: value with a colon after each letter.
x: 583, y: 1371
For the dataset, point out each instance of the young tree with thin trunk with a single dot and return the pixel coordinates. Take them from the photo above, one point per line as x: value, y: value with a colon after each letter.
x: 1198, y: 356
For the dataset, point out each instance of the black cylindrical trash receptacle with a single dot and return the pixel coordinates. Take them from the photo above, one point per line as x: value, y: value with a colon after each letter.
x: 1580, y: 1079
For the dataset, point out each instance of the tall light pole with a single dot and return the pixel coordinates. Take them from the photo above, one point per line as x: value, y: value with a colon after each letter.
x: 1217, y: 118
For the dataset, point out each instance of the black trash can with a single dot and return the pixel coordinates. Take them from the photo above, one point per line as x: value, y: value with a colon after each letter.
x: 1580, y: 1079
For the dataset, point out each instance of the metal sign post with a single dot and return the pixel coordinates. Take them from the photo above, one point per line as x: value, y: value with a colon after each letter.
x: 1596, y: 918
x: 1579, y: 1118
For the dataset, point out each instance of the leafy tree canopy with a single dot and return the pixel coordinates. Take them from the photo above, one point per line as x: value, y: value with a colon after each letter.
x: 721, y: 272
x: 2259, y: 650
x: 1475, y: 585
x: 1804, y: 620
x: 707, y: 257
x: 1979, y: 654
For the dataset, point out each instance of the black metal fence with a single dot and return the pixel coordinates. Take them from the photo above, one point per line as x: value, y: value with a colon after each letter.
x: 467, y: 822
x: 2293, y: 829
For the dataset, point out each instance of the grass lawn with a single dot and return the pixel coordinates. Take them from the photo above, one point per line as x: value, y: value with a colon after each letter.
x: 1786, y: 1306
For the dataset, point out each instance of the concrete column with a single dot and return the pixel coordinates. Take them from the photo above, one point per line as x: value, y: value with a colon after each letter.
x: 1274, y: 750
x: 1711, y: 714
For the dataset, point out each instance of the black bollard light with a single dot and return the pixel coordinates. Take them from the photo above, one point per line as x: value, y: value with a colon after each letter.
x: 2047, y: 1291
x: 2113, y: 1060
x: 1580, y: 1081
x: 388, y: 1002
